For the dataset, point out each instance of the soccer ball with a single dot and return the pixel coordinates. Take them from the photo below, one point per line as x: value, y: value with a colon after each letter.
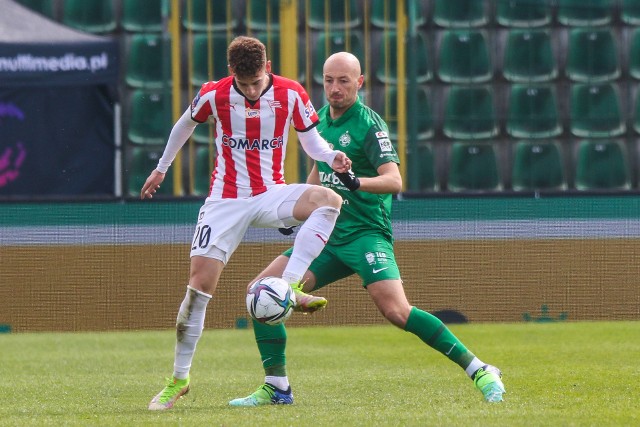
x: 270, y: 300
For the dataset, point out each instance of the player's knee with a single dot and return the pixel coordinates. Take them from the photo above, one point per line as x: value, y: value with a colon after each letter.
x: 324, y: 197
x: 397, y: 316
x: 334, y: 200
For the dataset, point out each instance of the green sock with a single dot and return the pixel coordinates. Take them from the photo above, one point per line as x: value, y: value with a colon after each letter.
x: 436, y: 335
x: 272, y: 341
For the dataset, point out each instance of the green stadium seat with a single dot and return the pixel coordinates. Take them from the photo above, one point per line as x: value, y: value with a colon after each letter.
x: 533, y: 112
x: 43, y: 7
x: 537, y: 165
x: 383, y: 14
x: 636, y: 114
x: 202, y: 170
x: 92, y: 16
x: 524, y: 13
x: 150, y: 117
x: 592, y: 55
x: 334, y: 15
x: 209, y: 56
x: 528, y: 56
x: 263, y: 15
x: 142, y: 16
x: 143, y: 161
x: 634, y: 54
x: 206, y: 15
x: 203, y: 133
x: 335, y: 41
x: 595, y: 110
x: 386, y: 104
x: 584, y: 13
x: 145, y: 63
x: 602, y: 164
x: 470, y: 113
x: 473, y: 166
x: 460, y: 13
x: 630, y: 13
x: 426, y: 178
x: 387, y: 62
x: 271, y: 40
x: 464, y: 57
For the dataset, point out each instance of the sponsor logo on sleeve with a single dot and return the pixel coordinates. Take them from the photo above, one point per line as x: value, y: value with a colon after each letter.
x: 309, y: 111
x: 385, y: 144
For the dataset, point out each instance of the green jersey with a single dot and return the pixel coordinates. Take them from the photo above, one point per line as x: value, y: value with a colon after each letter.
x: 364, y: 137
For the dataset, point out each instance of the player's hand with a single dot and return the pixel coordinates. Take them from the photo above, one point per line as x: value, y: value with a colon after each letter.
x: 341, y: 163
x: 349, y: 180
x: 151, y: 185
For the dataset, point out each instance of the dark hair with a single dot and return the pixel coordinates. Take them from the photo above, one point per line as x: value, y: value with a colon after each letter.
x: 246, y: 56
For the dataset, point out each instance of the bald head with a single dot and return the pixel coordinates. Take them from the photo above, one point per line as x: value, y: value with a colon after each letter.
x: 344, y: 62
x: 342, y: 78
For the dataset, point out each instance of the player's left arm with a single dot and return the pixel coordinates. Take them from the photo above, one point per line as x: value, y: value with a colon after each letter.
x: 388, y: 181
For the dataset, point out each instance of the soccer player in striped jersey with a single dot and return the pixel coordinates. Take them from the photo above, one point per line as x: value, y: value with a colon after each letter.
x: 362, y: 241
x: 253, y: 110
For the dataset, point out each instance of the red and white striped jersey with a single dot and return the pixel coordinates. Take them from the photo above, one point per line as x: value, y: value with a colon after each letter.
x: 251, y: 138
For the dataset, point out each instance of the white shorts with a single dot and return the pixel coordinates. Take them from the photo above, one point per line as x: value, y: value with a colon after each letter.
x: 223, y: 223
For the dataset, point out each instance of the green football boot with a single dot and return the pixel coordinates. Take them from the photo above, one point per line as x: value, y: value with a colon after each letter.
x: 173, y: 391
x: 487, y: 380
x: 306, y: 303
x: 266, y: 394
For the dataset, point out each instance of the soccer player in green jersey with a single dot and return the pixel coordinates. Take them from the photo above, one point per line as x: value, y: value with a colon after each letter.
x: 362, y: 241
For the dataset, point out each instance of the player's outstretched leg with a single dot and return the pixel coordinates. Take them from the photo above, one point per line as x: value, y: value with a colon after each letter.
x: 306, y: 303
x: 173, y: 391
x: 266, y: 394
x: 487, y: 380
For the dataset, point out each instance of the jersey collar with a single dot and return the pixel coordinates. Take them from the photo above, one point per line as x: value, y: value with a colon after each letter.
x: 347, y: 114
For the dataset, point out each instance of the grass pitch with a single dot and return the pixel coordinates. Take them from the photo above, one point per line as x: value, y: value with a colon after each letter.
x: 560, y: 374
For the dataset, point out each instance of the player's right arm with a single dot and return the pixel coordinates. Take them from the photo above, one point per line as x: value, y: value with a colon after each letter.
x: 181, y: 132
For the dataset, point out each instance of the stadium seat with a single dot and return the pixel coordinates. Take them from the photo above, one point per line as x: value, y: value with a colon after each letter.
x: 271, y: 40
x: 142, y: 16
x: 584, y: 13
x: 470, y: 113
x: 533, y: 112
x: 602, y: 164
x: 426, y: 178
x: 386, y: 104
x: 460, y: 13
x: 524, y: 13
x: 209, y: 56
x: 43, y: 7
x: 383, y: 14
x: 150, y: 117
x: 203, y: 133
x: 93, y: 16
x: 464, y: 57
x: 595, y: 110
x: 634, y: 54
x: 473, y: 166
x: 206, y: 15
x: 143, y: 161
x: 636, y: 113
x: 592, y: 55
x: 145, y: 63
x: 336, y: 41
x: 537, y: 165
x: 202, y: 170
x: 387, y: 63
x: 529, y: 57
x: 334, y: 15
x: 630, y: 13
x: 263, y: 15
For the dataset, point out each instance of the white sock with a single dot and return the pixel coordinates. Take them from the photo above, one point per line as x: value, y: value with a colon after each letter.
x: 280, y: 382
x: 189, y: 325
x: 310, y: 241
x: 474, y: 366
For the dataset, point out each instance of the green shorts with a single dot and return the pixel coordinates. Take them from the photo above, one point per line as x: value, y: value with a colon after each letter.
x: 371, y: 257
